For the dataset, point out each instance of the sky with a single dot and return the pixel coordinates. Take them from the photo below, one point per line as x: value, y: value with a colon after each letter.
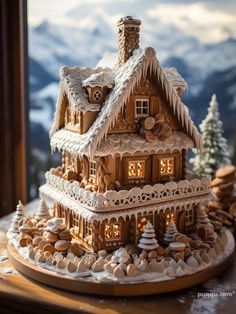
x: 56, y: 8
x: 217, y: 16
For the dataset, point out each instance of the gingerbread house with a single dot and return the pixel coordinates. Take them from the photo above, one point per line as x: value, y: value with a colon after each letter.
x: 124, y: 134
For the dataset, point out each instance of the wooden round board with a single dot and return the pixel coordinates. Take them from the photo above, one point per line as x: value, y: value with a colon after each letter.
x: 113, y: 289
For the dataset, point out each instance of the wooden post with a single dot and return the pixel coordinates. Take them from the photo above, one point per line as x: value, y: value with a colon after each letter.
x: 14, y: 100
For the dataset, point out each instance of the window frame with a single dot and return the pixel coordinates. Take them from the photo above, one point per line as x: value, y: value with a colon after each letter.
x: 141, y: 115
x: 136, y: 162
x: 94, y: 168
x: 189, y: 213
x: 178, y: 170
x: 87, y: 228
x: 167, y: 173
x: 98, y: 92
x: 113, y: 239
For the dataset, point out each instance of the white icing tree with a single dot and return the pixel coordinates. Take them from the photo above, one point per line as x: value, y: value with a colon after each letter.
x: 170, y: 231
x: 216, y: 152
x: 202, y: 219
x: 148, y: 241
x: 43, y: 211
x: 19, y: 214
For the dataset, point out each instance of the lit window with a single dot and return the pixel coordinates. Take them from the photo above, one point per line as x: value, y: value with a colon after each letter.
x: 189, y: 216
x: 112, y: 231
x: 142, y: 108
x: 167, y: 166
x: 97, y: 95
x: 92, y: 168
x: 136, y: 169
x: 169, y: 217
x: 142, y: 224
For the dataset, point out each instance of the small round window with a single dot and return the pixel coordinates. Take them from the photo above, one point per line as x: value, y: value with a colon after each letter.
x: 97, y: 95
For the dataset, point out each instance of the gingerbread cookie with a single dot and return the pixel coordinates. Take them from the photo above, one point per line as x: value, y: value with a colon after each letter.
x: 226, y: 172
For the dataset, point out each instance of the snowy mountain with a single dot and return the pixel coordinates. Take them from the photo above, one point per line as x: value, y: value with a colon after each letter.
x: 84, y: 34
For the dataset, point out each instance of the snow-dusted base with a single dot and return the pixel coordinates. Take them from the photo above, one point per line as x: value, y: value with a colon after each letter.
x: 19, y: 257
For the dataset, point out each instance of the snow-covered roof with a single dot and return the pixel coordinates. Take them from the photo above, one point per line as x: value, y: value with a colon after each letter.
x: 104, y: 78
x: 110, y: 60
x: 127, y: 77
x: 176, y: 80
x: 71, y: 86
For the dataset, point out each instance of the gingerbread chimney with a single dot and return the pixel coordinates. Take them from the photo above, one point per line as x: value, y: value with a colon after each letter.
x: 128, y: 37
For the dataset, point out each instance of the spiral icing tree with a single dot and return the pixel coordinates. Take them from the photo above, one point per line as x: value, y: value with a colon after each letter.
x: 148, y: 241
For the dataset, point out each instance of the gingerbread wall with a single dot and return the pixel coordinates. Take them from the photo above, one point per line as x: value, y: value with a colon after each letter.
x: 127, y: 121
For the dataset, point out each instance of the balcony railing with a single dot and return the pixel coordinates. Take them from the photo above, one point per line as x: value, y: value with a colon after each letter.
x: 194, y: 186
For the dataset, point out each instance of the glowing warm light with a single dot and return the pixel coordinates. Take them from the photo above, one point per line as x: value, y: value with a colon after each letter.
x: 136, y: 169
x: 167, y: 166
x: 169, y: 217
x: 112, y: 231
x: 142, y: 223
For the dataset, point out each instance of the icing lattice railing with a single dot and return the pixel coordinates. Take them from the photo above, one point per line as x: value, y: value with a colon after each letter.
x: 194, y: 186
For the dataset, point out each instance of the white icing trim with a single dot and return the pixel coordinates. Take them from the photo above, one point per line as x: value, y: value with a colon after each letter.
x: 175, y: 79
x: 52, y: 194
x: 110, y: 60
x: 135, y: 197
x: 104, y: 78
x: 119, y: 143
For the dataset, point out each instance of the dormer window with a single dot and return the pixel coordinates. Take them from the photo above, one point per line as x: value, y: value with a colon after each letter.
x: 141, y: 108
x: 98, y: 85
x: 97, y: 95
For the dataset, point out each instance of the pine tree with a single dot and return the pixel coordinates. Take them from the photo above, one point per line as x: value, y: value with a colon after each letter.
x: 216, y: 152
x: 19, y: 214
x: 170, y: 231
x: 43, y: 211
x: 148, y: 241
x: 202, y: 218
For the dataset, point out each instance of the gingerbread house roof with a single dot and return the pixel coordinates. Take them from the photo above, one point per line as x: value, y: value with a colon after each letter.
x: 175, y: 79
x: 103, y: 78
x: 127, y: 77
x: 110, y: 60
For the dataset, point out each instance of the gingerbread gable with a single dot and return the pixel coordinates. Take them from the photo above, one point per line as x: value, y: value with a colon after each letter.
x: 127, y: 76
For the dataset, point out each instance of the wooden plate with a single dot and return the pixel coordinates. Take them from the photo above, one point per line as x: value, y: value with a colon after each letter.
x: 114, y: 289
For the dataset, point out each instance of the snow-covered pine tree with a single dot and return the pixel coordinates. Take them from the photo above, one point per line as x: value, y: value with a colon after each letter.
x: 42, y: 211
x: 148, y: 241
x: 19, y: 214
x: 216, y: 152
x: 202, y: 219
x: 203, y: 225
